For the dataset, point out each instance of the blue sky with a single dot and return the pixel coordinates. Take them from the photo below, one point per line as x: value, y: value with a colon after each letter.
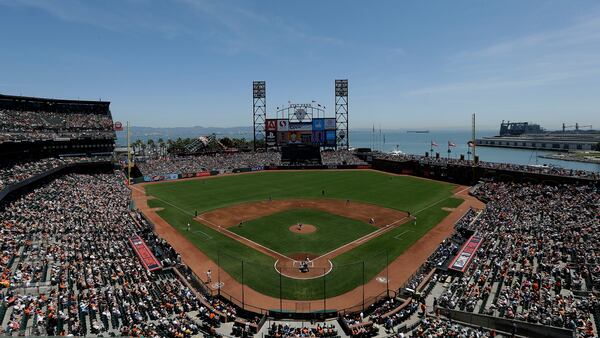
x: 419, y: 64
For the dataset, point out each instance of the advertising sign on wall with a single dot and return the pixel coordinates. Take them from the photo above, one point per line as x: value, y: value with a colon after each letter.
x: 294, y: 137
x: 318, y: 137
x: 330, y: 138
x: 271, y: 124
x: 282, y: 125
x: 318, y: 124
x: 302, y: 126
x: 329, y: 124
x: 271, y: 137
x: 306, y: 138
x: 466, y: 254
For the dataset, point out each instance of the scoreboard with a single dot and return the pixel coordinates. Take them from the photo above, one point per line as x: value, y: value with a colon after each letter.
x: 319, y: 132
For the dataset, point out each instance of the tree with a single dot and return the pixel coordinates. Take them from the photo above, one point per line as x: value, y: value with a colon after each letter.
x: 151, y: 146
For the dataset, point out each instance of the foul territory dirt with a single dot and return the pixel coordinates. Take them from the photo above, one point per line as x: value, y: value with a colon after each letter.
x: 398, y: 273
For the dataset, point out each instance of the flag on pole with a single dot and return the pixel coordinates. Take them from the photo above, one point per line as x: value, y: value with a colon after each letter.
x: 433, y: 144
x: 451, y: 144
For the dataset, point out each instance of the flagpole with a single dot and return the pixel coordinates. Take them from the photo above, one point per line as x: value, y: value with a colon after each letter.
x: 380, y: 140
x: 473, y: 135
x: 128, y: 156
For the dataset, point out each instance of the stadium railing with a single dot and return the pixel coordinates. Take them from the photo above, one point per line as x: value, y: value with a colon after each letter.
x: 508, y: 325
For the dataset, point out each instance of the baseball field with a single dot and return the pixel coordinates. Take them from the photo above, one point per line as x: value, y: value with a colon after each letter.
x: 260, y: 227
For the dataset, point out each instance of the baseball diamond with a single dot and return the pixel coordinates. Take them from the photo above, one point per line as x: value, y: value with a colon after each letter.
x: 358, y: 216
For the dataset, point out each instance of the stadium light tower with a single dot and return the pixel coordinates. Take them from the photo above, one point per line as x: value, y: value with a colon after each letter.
x: 259, y: 110
x: 341, y: 114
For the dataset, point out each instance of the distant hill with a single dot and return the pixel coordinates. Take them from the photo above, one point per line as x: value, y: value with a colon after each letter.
x: 145, y: 133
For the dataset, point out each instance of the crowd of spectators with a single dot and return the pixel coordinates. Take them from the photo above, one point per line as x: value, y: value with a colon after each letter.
x: 217, y: 162
x: 392, y: 313
x: 66, y: 266
x: 547, y: 170
x: 286, y: 330
x: 341, y: 156
x: 43, y: 125
x: 357, y: 326
x: 229, y: 161
x: 538, y: 261
x: 12, y: 172
x: 435, y: 327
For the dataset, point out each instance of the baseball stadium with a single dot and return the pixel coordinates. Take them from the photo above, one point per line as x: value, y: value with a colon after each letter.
x: 300, y: 169
x: 296, y: 235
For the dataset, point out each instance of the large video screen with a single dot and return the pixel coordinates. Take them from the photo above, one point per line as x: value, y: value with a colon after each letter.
x: 319, y: 131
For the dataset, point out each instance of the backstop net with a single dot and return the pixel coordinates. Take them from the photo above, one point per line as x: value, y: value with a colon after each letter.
x: 349, y: 284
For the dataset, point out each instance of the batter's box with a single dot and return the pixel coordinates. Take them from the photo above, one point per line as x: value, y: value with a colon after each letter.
x: 399, y: 236
x: 297, y: 264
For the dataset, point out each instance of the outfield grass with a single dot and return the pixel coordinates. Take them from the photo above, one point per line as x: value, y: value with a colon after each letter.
x: 425, y: 198
x: 332, y: 232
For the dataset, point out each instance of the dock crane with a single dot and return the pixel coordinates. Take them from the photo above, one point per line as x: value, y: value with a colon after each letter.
x: 576, y: 126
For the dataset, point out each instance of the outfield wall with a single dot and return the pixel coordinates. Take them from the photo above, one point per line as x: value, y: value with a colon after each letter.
x: 177, y: 176
x: 454, y: 173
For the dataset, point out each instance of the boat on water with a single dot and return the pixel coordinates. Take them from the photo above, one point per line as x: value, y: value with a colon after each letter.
x: 396, y: 153
x: 418, y: 131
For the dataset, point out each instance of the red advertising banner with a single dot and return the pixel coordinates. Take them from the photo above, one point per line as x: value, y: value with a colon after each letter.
x: 271, y: 125
x: 144, y: 253
x: 466, y: 254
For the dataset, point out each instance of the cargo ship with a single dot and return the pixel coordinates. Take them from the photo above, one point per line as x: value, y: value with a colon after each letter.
x: 527, y: 135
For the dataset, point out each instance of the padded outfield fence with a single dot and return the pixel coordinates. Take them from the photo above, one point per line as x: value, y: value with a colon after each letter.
x: 362, y: 282
x: 178, y: 176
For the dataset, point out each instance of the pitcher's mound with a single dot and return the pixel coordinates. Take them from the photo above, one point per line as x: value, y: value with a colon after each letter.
x: 304, y: 229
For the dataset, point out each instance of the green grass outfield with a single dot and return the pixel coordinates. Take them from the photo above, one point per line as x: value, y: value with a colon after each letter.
x: 180, y: 199
x: 332, y: 232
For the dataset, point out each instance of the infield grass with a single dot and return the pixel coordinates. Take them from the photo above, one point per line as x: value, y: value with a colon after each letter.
x: 425, y: 198
x: 332, y: 232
